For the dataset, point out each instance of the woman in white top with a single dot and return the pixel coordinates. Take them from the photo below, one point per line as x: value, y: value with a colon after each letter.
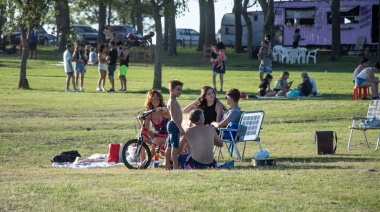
x: 366, y: 78
x: 364, y: 63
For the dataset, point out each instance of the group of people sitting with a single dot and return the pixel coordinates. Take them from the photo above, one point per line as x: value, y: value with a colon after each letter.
x: 206, y: 114
x: 281, y: 86
x: 364, y: 76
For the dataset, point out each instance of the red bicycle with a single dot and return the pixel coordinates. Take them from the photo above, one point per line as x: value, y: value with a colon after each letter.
x: 136, y: 153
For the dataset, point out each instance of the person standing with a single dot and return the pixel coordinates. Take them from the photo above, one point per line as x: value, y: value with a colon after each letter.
x: 174, y: 127
x: 265, y: 63
x: 112, y: 58
x: 79, y: 58
x: 296, y: 38
x: 68, y: 67
x: 32, y: 44
x: 124, y: 64
x: 219, y: 65
x: 102, y: 68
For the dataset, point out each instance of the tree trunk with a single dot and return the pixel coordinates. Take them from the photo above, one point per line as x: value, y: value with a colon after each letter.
x: 378, y: 41
x: 109, y: 13
x: 202, y: 24
x: 63, y: 23
x: 139, y: 18
x: 23, y: 83
x: 335, y: 18
x: 102, y: 21
x: 172, y: 31
x: 249, y: 28
x: 268, y: 11
x: 166, y: 33
x: 238, y: 26
x: 157, y: 81
x: 209, y: 13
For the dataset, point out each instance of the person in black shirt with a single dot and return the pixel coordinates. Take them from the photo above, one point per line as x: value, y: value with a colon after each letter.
x: 124, y: 63
x: 112, y: 58
x: 305, y: 86
x: 264, y: 88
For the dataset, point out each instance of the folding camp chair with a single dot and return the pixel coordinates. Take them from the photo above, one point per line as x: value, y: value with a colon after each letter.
x: 358, y: 48
x: 371, y: 122
x: 249, y: 128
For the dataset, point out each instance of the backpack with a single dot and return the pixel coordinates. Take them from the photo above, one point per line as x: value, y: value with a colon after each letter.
x: 68, y: 156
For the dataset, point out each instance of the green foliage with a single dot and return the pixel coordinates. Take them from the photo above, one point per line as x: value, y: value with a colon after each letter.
x: 39, y: 123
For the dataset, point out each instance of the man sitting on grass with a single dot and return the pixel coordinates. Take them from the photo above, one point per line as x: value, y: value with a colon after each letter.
x: 201, y: 139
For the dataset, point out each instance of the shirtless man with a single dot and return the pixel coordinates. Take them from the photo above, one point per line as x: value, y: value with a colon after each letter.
x: 175, y: 129
x: 201, y: 139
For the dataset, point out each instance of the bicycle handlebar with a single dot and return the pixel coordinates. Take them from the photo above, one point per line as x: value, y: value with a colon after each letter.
x: 145, y: 114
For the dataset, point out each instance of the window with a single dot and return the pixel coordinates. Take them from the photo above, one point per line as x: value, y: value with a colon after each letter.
x: 299, y: 16
x: 348, y: 15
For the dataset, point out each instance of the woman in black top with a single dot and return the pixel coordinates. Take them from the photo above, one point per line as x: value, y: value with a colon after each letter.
x: 211, y: 106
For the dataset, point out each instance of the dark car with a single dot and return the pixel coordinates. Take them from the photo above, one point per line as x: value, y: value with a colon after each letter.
x: 14, y: 38
x: 85, y: 34
x: 122, y: 31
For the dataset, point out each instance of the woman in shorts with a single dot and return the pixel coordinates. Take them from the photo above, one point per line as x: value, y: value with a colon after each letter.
x: 79, y: 57
x: 102, y: 68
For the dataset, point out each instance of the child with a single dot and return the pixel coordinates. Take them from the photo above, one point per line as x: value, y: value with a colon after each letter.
x: 219, y: 66
x: 174, y: 127
x: 266, y: 63
x: 281, y: 86
x: 268, y: 39
x: 221, y: 55
x: 79, y: 57
x: 264, y: 88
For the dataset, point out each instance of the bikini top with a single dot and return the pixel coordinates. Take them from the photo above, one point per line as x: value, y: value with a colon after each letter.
x: 160, y: 127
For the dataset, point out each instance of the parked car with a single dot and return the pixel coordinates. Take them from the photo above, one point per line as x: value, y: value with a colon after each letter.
x: 122, y: 31
x: 52, y: 39
x: 85, y: 34
x: 15, y: 37
x: 189, y: 36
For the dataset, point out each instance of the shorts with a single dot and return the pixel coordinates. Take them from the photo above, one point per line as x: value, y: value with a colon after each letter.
x: 123, y: 70
x: 193, y: 164
x: 79, y: 67
x: 173, y: 135
x: 218, y: 70
x: 111, y: 70
x: 265, y: 69
x: 102, y: 66
x: 33, y: 46
x: 359, y: 81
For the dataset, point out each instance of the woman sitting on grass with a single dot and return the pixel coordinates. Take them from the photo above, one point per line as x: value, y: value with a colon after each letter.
x: 264, y: 88
x: 211, y: 106
x: 281, y: 86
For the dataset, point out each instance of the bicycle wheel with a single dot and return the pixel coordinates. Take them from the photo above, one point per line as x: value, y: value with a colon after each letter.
x: 136, y: 154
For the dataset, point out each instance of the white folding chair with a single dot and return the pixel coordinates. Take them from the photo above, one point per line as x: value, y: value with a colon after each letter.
x: 302, y: 51
x: 284, y: 54
x: 276, y: 52
x: 295, y: 56
x: 372, y: 113
x: 312, y: 54
x: 248, y: 130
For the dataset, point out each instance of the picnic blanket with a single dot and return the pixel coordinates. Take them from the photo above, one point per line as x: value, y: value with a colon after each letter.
x: 94, y: 161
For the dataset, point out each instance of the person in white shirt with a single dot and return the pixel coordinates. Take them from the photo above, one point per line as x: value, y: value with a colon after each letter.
x: 314, y: 90
x: 93, y: 57
x: 69, y: 70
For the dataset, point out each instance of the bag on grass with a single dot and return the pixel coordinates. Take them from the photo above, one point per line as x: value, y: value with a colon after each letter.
x: 293, y: 93
x: 227, y: 135
x: 325, y: 142
x: 113, y: 152
x: 68, y: 156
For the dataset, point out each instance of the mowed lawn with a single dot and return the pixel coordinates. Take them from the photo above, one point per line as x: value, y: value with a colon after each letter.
x: 39, y: 123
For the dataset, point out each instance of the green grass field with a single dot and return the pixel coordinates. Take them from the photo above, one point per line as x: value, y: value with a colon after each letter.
x: 39, y: 123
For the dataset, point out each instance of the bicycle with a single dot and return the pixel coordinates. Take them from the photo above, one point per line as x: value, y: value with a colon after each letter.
x: 136, y: 153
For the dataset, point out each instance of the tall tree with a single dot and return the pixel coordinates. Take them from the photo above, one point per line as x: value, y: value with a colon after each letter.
x: 210, y: 22
x: 335, y: 33
x: 202, y: 24
x: 27, y: 15
x: 378, y: 40
x: 248, y: 23
x: 102, y: 21
x: 63, y: 23
x: 268, y: 10
x: 170, y: 12
x: 238, y: 27
x: 166, y: 32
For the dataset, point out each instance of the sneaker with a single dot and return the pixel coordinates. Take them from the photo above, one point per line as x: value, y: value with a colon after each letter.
x: 76, y: 90
x: 111, y: 90
x: 99, y: 89
x: 103, y: 89
x: 81, y: 90
x: 68, y: 90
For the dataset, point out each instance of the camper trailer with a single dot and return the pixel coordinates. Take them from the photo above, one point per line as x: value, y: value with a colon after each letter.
x: 313, y: 18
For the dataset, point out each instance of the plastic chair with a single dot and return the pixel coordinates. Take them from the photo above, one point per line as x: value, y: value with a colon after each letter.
x: 276, y: 52
x: 312, y: 54
x: 367, y: 123
x: 295, y: 56
x: 358, y: 90
x: 284, y: 53
x: 302, y: 52
x: 358, y: 48
x: 249, y: 128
